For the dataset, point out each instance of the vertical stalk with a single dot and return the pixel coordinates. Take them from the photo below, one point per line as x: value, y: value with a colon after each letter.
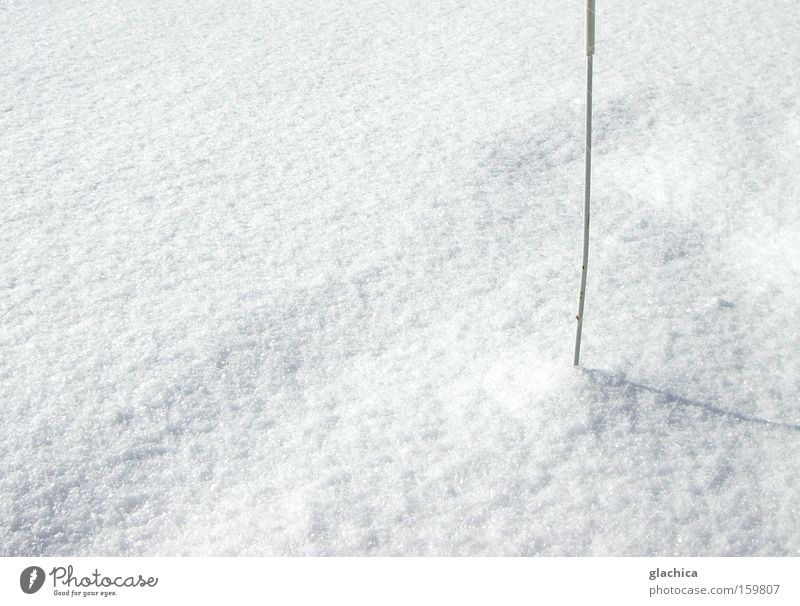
x: 587, y: 177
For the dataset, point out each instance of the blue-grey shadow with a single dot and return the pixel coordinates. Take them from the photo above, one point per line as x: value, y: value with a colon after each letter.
x: 608, y: 379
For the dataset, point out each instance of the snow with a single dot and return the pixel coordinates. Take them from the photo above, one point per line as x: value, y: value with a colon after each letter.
x: 300, y: 278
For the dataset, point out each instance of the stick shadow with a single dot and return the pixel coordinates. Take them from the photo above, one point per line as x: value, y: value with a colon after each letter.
x: 608, y: 379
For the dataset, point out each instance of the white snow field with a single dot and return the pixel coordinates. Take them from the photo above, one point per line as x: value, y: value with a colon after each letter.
x: 295, y: 278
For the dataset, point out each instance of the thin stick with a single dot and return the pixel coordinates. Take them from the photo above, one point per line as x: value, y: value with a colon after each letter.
x: 587, y: 178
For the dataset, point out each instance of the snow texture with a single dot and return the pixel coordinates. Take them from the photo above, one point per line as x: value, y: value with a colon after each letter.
x: 300, y: 278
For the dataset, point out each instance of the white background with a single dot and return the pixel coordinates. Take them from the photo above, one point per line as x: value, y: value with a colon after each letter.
x: 410, y: 581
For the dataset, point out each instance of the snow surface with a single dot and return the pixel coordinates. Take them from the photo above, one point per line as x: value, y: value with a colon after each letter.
x: 300, y: 278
